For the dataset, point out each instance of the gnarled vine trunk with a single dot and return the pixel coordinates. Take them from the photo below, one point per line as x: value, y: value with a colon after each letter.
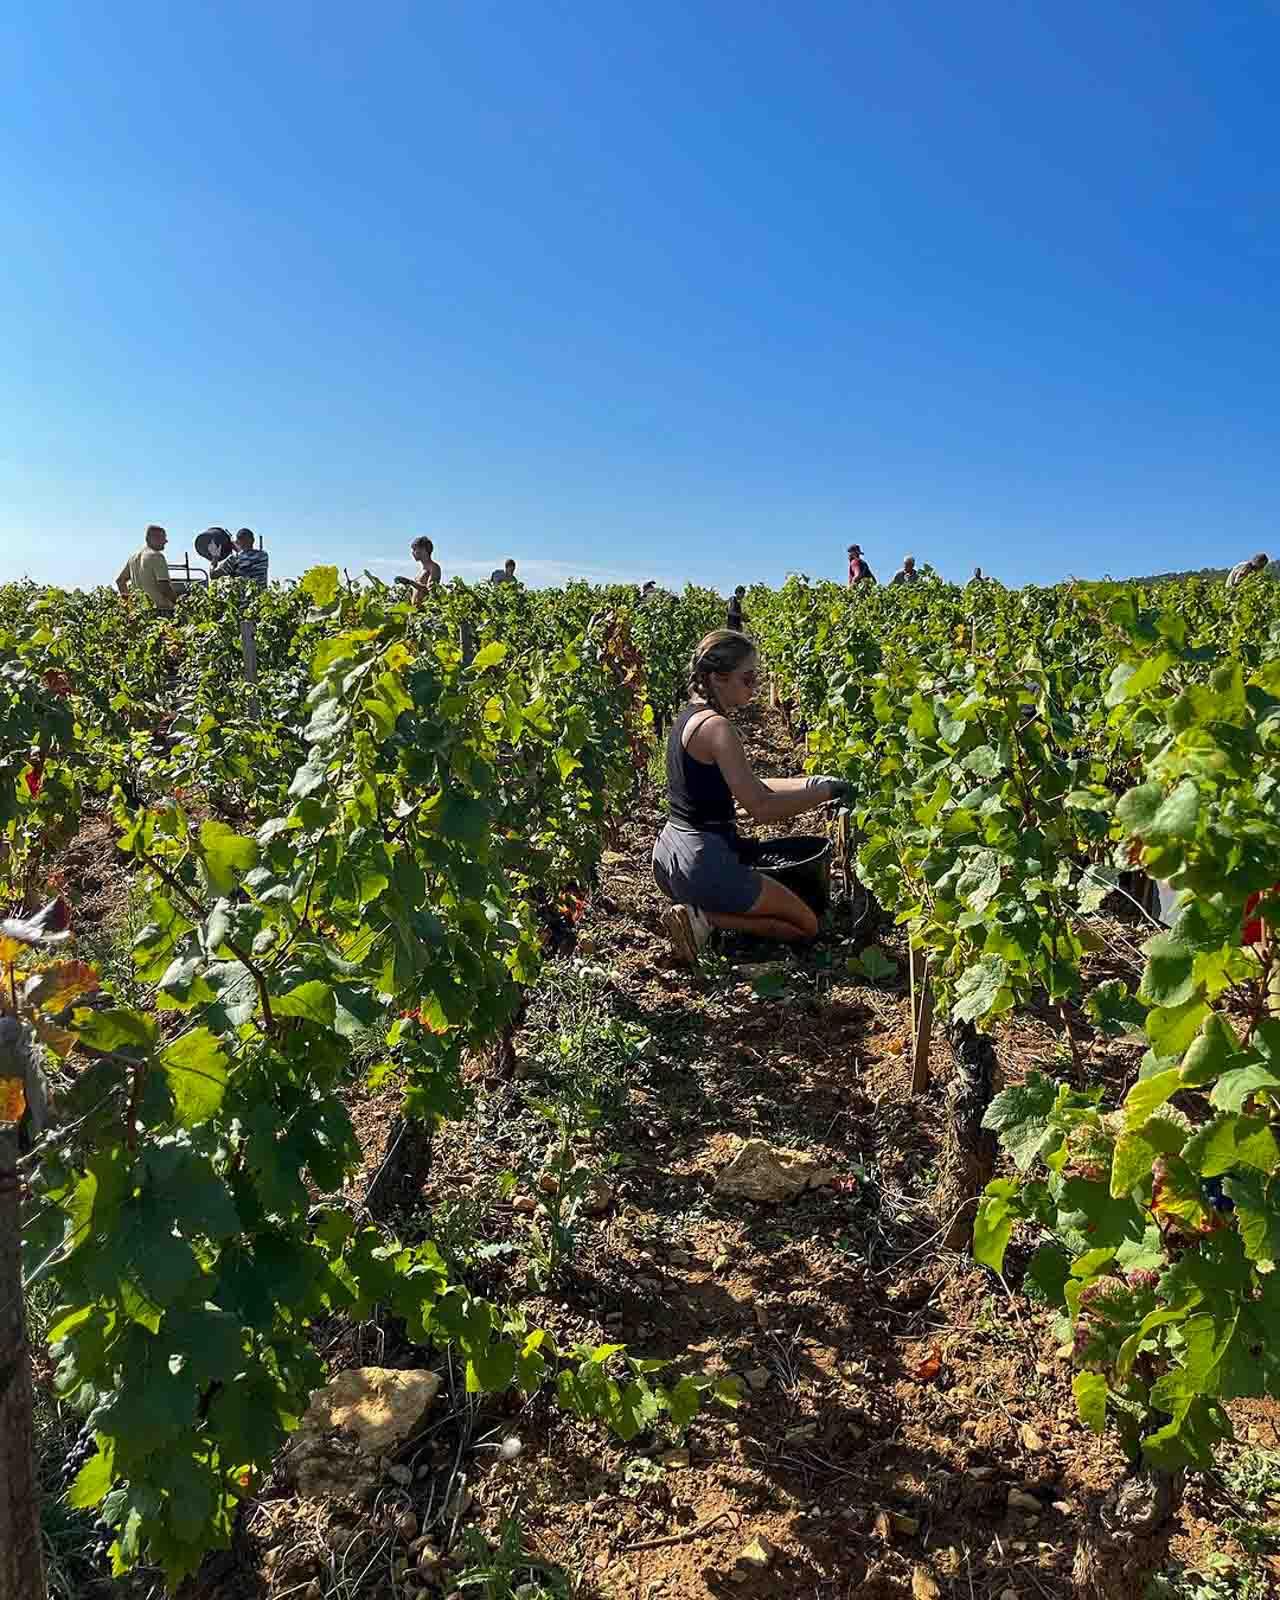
x: 405, y: 1164
x: 968, y: 1154
x: 21, y: 1553
x: 1126, y: 1539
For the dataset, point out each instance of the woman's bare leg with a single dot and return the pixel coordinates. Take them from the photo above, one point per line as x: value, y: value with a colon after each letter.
x: 777, y: 914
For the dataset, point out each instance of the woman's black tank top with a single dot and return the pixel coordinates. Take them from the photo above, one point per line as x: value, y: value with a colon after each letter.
x: 700, y: 800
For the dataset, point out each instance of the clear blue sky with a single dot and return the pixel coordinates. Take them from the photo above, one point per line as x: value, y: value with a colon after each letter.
x: 689, y: 290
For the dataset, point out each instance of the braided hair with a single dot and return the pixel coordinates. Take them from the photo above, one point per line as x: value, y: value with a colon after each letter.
x: 722, y: 651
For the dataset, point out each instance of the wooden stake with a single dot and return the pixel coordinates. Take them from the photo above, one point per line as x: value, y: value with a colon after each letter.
x: 921, y: 1023
x: 249, y: 649
x: 21, y: 1558
x: 1273, y: 970
x: 843, y: 835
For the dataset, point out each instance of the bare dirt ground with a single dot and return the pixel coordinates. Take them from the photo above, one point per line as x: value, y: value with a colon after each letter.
x: 895, y: 1395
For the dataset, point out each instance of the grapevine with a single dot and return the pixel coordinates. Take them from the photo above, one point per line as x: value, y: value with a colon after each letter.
x: 381, y: 855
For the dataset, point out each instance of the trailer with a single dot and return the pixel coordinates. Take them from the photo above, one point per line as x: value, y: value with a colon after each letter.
x: 184, y: 577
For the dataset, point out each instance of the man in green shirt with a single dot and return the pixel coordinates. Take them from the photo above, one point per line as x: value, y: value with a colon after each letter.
x: 147, y: 570
x: 906, y: 573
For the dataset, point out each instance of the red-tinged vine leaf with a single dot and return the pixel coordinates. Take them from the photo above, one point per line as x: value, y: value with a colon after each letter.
x: 50, y: 925
x: 1177, y: 1198
x: 34, y: 778
x: 431, y: 1015
x: 573, y: 907
x: 57, y: 683
x: 55, y: 987
x: 930, y: 1367
x: 13, y: 1099
x: 60, y: 1040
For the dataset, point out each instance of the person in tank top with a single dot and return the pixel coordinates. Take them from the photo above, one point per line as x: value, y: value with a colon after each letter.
x: 699, y: 861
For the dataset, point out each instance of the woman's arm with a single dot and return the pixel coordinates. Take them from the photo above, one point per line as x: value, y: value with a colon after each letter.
x: 764, y: 801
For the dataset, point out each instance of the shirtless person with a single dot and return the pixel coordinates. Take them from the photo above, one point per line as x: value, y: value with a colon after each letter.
x: 428, y: 570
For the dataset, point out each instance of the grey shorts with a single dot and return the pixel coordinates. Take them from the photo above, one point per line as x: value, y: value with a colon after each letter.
x: 704, y: 870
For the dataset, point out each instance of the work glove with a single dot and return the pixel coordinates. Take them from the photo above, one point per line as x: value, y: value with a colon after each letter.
x: 837, y: 788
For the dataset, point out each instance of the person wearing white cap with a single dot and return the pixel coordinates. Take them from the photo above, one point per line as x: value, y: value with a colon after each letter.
x: 1245, y: 569
x: 906, y: 573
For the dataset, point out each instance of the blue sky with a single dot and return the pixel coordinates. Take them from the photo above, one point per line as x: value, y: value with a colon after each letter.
x: 694, y: 290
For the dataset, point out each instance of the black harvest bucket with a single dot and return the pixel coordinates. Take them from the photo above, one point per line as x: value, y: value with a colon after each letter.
x: 801, y: 861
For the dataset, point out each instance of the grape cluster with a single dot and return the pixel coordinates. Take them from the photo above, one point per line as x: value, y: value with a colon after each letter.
x: 104, y: 1535
x: 1213, y: 1193
x: 84, y: 1447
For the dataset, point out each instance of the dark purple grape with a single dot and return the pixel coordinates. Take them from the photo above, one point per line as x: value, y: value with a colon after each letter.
x: 1213, y: 1194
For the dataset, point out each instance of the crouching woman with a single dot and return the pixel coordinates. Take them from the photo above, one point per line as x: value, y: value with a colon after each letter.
x: 699, y: 861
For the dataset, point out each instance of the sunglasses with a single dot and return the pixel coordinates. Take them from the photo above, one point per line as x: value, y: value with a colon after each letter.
x: 750, y: 678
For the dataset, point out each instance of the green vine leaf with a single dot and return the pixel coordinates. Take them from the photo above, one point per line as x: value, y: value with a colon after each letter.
x: 195, y: 1066
x: 1090, y: 1391
x: 1232, y: 1141
x: 313, y: 1001
x: 120, y: 1031
x: 1020, y: 1115
x: 94, y: 1479
x: 224, y: 853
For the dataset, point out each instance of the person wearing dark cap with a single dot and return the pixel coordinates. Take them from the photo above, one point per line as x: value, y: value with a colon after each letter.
x: 859, y: 571
x: 244, y: 561
x: 734, y: 619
